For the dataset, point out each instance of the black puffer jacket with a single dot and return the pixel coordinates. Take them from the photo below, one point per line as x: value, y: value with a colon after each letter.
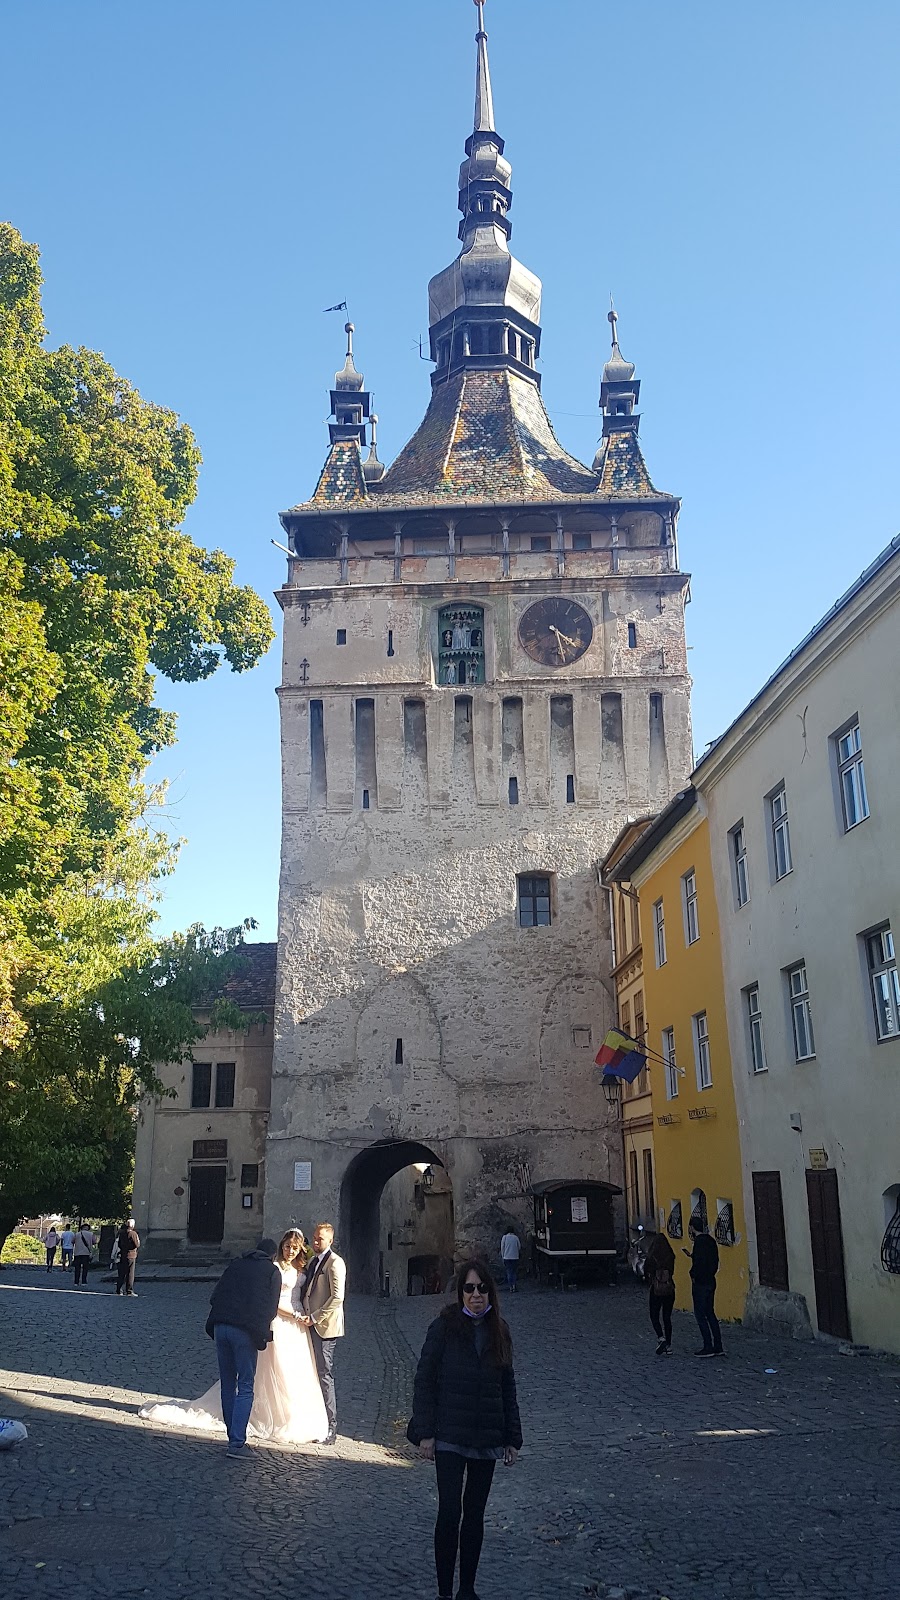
x: 461, y: 1397
x: 246, y: 1296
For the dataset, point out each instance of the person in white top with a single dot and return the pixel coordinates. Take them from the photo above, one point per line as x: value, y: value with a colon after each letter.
x: 50, y: 1244
x: 66, y: 1246
x: 510, y: 1251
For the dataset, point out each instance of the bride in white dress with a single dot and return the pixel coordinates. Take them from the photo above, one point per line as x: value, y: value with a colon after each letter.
x: 287, y: 1401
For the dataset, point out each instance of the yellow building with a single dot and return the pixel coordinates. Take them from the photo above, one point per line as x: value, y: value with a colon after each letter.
x: 695, y: 1135
x: 628, y: 977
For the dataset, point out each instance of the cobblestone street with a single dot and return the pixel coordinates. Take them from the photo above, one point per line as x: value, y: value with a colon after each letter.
x: 640, y: 1477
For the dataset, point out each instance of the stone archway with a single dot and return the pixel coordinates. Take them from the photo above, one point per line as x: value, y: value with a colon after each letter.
x: 360, y: 1207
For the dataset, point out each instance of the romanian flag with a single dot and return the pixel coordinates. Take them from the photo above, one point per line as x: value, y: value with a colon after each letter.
x: 620, y: 1057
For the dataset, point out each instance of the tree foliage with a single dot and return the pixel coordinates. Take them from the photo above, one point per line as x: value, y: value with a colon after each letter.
x: 99, y: 590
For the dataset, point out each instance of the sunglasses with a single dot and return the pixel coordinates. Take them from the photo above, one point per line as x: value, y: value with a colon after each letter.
x: 475, y: 1288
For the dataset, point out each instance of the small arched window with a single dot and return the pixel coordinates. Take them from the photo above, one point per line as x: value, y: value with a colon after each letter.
x: 675, y: 1226
x: 699, y: 1216
x: 890, y: 1244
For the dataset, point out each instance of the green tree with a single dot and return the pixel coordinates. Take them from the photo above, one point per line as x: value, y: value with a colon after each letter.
x: 99, y: 590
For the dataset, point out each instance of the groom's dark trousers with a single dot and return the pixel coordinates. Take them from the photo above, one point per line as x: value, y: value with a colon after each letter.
x: 324, y: 1354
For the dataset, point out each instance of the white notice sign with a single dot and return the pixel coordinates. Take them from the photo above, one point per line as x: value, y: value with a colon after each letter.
x: 302, y: 1175
x: 579, y: 1208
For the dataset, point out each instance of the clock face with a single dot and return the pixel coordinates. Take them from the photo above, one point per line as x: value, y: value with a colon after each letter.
x: 556, y: 631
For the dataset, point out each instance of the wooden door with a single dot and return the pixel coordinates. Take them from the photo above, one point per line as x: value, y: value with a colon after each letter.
x: 206, y: 1216
x: 771, y: 1245
x: 828, y: 1253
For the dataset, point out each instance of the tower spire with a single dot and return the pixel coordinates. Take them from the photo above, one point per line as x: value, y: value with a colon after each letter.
x: 484, y: 309
x: 349, y: 398
x: 484, y: 97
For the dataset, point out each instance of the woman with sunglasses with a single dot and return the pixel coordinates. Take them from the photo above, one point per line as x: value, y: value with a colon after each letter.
x: 465, y: 1419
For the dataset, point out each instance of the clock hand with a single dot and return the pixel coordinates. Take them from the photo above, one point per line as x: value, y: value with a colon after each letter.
x: 565, y: 637
x: 559, y: 639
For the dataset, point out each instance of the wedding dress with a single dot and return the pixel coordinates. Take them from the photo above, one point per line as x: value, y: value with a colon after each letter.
x: 287, y: 1401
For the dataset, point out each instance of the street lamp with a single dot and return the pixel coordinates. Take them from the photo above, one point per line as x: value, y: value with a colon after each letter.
x: 428, y: 1178
x: 612, y: 1088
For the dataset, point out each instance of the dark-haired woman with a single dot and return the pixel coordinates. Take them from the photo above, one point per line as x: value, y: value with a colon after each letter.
x: 465, y: 1419
x: 659, y: 1274
x: 287, y: 1399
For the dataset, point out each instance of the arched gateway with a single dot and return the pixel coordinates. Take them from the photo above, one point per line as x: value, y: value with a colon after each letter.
x: 362, y: 1237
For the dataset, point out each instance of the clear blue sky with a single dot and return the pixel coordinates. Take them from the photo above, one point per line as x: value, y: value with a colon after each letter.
x: 204, y: 176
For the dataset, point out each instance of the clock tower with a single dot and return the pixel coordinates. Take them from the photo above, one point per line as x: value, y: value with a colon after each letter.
x: 484, y: 678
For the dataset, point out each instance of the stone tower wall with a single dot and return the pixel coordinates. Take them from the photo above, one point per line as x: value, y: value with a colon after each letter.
x: 399, y: 922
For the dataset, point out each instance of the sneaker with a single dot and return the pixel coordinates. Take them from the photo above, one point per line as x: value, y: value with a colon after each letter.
x: 704, y: 1354
x: 237, y: 1452
x: 130, y: 1295
x: 720, y: 1352
x: 662, y: 1349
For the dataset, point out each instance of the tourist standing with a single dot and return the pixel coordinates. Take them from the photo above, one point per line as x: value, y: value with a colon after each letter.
x: 50, y: 1245
x: 66, y: 1246
x: 244, y: 1306
x: 465, y: 1419
x: 129, y: 1242
x: 510, y: 1251
x: 704, y: 1266
x: 83, y: 1250
x: 659, y: 1274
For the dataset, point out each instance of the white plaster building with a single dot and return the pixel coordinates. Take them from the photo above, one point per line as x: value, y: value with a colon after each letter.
x: 200, y: 1152
x: 484, y: 675
x: 803, y: 795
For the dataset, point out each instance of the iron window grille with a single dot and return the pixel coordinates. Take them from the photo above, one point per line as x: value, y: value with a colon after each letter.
x: 724, y: 1229
x: 754, y: 1027
x: 885, y: 981
x: 691, y: 913
x: 801, y: 1013
x: 674, y: 1225
x: 699, y: 1217
x: 739, y: 864
x: 534, y: 902
x: 781, y: 833
x: 854, y: 799
x: 890, y: 1244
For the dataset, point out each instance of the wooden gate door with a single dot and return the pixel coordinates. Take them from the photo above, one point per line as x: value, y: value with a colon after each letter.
x: 771, y: 1246
x: 828, y: 1253
x: 206, y: 1216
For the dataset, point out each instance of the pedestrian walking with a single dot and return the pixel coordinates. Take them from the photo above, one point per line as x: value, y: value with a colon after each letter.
x: 465, y: 1419
x: 659, y: 1274
x: 50, y: 1245
x: 510, y: 1251
x: 244, y: 1306
x: 704, y: 1266
x: 129, y: 1243
x: 66, y: 1246
x: 83, y: 1249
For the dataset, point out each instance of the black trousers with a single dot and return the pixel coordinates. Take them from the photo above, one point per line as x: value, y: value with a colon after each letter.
x: 323, y: 1349
x: 663, y: 1306
x: 453, y: 1505
x: 704, y: 1311
x: 125, y: 1275
x: 81, y: 1268
x: 51, y: 1253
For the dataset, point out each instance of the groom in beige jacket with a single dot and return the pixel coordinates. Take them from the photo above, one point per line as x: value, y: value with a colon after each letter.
x: 322, y: 1303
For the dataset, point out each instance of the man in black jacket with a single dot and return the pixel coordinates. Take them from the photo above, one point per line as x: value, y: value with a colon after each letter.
x: 704, y: 1266
x: 244, y: 1303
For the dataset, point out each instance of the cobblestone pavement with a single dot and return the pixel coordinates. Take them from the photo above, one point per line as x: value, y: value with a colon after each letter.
x: 641, y: 1477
